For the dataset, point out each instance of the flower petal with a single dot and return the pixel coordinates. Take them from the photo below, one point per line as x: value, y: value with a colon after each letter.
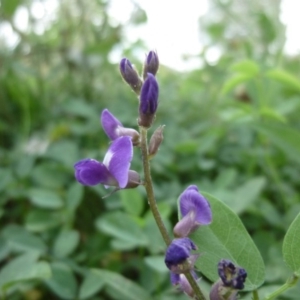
x: 118, y: 159
x: 110, y: 124
x: 91, y: 172
x: 192, y: 200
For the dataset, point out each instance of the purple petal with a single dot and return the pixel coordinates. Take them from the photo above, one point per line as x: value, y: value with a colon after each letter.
x: 91, y: 172
x: 118, y: 159
x: 110, y: 124
x: 174, y: 278
x: 192, y: 200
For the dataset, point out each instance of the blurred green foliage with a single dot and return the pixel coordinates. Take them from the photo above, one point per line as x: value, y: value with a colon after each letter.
x: 232, y: 128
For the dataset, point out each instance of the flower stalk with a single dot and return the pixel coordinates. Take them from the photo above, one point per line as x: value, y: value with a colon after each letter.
x: 154, y: 209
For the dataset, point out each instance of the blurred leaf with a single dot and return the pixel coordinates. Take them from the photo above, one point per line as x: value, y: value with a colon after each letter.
x: 65, y: 243
x: 284, y: 137
x: 62, y: 282
x: 91, y: 285
x: 45, y: 198
x: 247, y: 67
x: 227, y: 238
x: 122, y: 227
x: 6, y: 177
x: 24, y: 165
x: 157, y: 263
x: 22, y: 268
x: 132, y: 201
x: 234, y: 81
x: 186, y: 147
x: 74, y: 196
x: 127, y: 289
x: 19, y: 239
x: 291, y: 246
x: 40, y: 220
x: 285, y: 78
x: 272, y: 114
x: 8, y: 7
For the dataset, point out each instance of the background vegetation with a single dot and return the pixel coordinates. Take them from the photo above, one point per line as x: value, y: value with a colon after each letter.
x: 232, y: 128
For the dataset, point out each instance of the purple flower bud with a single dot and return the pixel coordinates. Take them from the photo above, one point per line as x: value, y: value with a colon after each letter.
x: 195, y: 211
x: 231, y: 276
x: 181, y: 281
x: 114, y: 128
x: 130, y: 75
x: 114, y: 171
x: 155, y: 141
x: 178, y: 253
x: 151, y: 64
x: 148, y: 101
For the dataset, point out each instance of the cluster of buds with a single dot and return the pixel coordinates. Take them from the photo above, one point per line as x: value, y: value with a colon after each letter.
x: 115, y: 168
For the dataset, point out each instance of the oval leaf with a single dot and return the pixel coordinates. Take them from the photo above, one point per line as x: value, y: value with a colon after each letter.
x: 227, y: 238
x: 291, y: 246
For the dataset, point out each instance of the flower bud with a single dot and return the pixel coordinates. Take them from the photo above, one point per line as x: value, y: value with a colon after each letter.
x: 134, y: 180
x: 135, y: 136
x: 148, y: 101
x: 155, y: 141
x: 151, y: 64
x: 181, y: 281
x: 178, y: 258
x: 130, y: 75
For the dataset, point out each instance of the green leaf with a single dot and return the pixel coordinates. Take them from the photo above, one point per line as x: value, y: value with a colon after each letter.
x: 125, y: 288
x: 156, y: 263
x: 62, y: 282
x: 227, y: 238
x: 65, y: 243
x: 247, y: 67
x: 285, y: 78
x: 91, y: 285
x: 122, y: 227
x: 23, y: 268
x: 234, y: 81
x: 291, y: 246
x: 45, y: 198
x: 74, y: 196
x: 284, y: 137
x: 19, y: 239
x: 132, y: 201
x: 39, y: 220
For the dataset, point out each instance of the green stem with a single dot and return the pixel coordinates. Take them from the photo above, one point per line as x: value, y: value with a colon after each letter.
x: 255, y: 295
x: 290, y: 283
x: 153, y: 206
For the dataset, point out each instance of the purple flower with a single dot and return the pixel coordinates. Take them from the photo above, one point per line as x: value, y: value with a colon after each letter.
x: 181, y: 281
x: 178, y: 253
x: 195, y: 211
x: 231, y: 280
x: 114, y: 128
x: 130, y: 75
x: 114, y: 171
x: 148, y: 101
x: 151, y: 64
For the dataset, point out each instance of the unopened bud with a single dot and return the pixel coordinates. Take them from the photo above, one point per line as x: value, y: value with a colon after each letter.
x: 130, y: 75
x: 155, y: 141
x: 151, y: 64
x: 148, y: 101
x: 135, y: 136
x: 134, y: 180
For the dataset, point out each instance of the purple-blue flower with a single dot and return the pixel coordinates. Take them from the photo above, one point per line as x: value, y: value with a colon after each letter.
x: 179, y: 252
x: 195, y: 211
x: 148, y: 101
x: 114, y: 171
x: 114, y: 128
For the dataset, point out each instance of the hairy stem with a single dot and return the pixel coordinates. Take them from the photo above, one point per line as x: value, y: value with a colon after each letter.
x: 290, y: 283
x: 153, y: 206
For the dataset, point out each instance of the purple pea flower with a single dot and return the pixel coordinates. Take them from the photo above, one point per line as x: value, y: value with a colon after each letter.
x: 151, y: 64
x: 148, y: 101
x: 179, y: 252
x: 114, y: 171
x: 195, y: 211
x: 232, y: 279
x: 114, y: 128
x: 181, y: 281
x: 130, y: 75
